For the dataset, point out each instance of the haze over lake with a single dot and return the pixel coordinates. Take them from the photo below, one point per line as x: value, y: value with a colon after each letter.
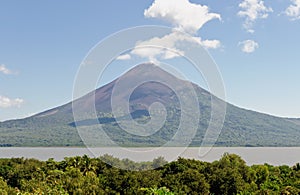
x: 252, y: 155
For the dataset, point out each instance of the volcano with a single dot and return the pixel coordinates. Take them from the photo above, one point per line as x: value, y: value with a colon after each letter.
x: 57, y: 127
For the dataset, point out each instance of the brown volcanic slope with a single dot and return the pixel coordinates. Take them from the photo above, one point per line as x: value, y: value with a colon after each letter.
x: 56, y: 127
x: 143, y: 96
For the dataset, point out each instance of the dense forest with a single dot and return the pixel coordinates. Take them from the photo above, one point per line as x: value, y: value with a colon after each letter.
x: 85, y: 175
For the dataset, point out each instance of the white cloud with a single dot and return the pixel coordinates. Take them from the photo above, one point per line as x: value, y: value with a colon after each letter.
x: 5, y: 70
x: 253, y: 10
x: 157, y: 46
x: 248, y: 46
x: 186, y: 16
x: 124, y: 57
x: 211, y: 44
x: 293, y: 10
x: 168, y: 46
x: 6, y: 102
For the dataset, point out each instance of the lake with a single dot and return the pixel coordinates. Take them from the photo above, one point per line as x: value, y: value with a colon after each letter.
x: 252, y: 155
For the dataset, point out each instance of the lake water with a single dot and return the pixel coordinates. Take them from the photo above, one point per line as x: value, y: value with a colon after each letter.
x: 252, y: 155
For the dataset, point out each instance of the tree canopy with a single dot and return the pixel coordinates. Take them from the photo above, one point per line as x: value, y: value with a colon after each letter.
x: 85, y: 175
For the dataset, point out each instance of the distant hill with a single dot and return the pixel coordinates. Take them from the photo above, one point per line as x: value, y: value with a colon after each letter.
x: 56, y: 127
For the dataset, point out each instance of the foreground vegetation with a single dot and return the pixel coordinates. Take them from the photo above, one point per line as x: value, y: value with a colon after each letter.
x: 84, y: 175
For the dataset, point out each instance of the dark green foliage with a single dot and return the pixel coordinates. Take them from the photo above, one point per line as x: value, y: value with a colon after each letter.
x: 241, y: 128
x: 158, y: 191
x: 84, y: 175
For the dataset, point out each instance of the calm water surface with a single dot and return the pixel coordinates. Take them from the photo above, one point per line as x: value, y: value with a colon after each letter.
x: 252, y: 155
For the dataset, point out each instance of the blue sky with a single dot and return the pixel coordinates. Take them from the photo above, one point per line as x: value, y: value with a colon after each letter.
x: 43, y: 43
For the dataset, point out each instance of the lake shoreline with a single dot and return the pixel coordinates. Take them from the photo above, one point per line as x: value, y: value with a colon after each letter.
x: 252, y: 155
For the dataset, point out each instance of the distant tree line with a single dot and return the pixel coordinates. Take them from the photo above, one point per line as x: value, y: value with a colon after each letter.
x: 84, y: 175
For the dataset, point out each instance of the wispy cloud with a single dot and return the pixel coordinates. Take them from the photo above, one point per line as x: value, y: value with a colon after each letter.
x: 248, y: 46
x: 184, y: 16
x: 211, y: 44
x: 6, y: 102
x: 5, y: 70
x: 124, y: 57
x: 253, y: 10
x: 293, y: 10
x: 167, y: 43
